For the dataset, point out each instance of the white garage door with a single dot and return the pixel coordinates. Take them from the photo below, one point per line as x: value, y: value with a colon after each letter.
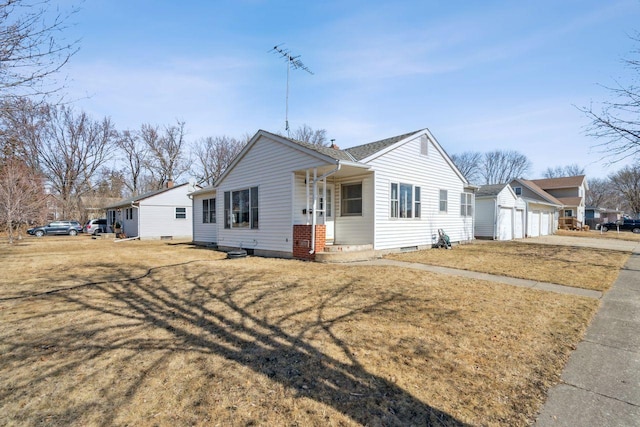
x: 505, y: 224
x: 518, y: 224
x: 534, y: 225
x: 545, y: 224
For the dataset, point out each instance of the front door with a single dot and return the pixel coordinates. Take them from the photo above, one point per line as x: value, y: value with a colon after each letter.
x: 327, y: 214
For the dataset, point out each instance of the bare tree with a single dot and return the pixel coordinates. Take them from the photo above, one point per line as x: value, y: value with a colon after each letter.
x: 627, y: 182
x: 602, y: 194
x: 134, y: 152
x: 559, y: 171
x: 469, y: 163
x: 306, y: 134
x: 617, y: 122
x: 22, y: 197
x: 214, y: 155
x: 167, y: 159
x: 31, y: 50
x: 502, y: 166
x: 71, y: 152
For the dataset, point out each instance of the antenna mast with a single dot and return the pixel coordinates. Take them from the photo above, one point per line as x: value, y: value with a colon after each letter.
x: 292, y: 62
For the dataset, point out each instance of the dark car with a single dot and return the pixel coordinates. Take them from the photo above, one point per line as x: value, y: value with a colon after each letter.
x: 95, y: 226
x: 71, y: 228
x: 625, y: 224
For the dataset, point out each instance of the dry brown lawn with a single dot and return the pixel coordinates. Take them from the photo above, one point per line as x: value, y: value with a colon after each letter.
x: 564, y: 265
x: 156, y: 333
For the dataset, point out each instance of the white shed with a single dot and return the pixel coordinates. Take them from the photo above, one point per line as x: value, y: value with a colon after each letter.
x: 500, y: 214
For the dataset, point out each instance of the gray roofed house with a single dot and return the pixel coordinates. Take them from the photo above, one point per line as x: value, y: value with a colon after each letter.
x: 288, y: 198
x: 164, y: 213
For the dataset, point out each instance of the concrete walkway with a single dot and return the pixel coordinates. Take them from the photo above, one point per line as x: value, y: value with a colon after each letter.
x: 523, y: 283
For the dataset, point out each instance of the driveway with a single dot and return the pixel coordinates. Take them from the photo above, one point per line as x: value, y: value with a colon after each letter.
x: 586, y: 242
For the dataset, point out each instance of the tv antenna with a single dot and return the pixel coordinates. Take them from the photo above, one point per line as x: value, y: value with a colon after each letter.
x: 292, y: 62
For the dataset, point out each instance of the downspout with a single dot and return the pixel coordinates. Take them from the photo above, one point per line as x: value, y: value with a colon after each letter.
x: 496, y: 217
x: 315, y: 197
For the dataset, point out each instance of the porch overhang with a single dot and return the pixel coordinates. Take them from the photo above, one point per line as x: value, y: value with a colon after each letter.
x: 345, y: 169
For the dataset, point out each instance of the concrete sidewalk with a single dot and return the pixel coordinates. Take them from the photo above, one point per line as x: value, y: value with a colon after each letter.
x: 523, y: 283
x: 600, y: 386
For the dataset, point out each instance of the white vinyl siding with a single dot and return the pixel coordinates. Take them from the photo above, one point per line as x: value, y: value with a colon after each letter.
x: 269, y: 165
x: 204, y: 232
x: 499, y: 217
x: 357, y: 229
x: 156, y: 215
x: 431, y: 173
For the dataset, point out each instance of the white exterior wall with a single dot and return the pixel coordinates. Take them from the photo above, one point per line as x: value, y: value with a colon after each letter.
x: 268, y: 165
x: 158, y: 214
x: 509, y: 223
x: 204, y: 232
x: 356, y: 230
x: 130, y: 226
x: 432, y: 173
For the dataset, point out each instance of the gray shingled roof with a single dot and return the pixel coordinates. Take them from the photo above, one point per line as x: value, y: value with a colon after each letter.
x: 327, y: 151
x: 490, y: 190
x: 353, y: 154
x: 363, y: 151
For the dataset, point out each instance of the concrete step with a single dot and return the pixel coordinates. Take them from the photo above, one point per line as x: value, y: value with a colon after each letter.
x: 345, y: 256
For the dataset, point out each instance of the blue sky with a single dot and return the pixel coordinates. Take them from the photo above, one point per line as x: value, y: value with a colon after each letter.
x: 480, y: 75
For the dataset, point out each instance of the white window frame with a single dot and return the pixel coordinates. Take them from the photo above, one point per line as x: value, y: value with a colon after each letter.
x: 517, y: 191
x: 209, y: 214
x: 401, y: 206
x: 466, y: 204
x: 232, y: 215
x: 443, y: 201
x: 343, y: 199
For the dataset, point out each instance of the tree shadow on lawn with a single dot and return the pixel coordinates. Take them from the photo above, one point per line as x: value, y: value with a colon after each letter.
x: 218, y: 320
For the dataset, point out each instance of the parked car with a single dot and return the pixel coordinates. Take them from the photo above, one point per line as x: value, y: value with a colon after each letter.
x: 626, y: 224
x: 95, y: 226
x: 71, y: 228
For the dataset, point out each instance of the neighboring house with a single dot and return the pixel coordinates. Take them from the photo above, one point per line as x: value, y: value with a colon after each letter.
x: 287, y: 198
x: 158, y: 214
x: 571, y: 192
x: 542, y: 209
x: 500, y: 214
x: 595, y: 216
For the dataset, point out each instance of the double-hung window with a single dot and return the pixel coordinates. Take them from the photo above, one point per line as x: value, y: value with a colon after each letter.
x: 181, y: 213
x: 444, y: 201
x: 209, y: 211
x: 351, y: 200
x: 405, y: 201
x: 241, y: 208
x: 466, y: 204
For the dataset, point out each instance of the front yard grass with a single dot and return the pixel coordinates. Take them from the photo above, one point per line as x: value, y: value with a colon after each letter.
x: 564, y: 265
x: 155, y: 333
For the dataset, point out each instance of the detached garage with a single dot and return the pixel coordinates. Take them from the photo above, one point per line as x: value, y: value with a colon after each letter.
x: 541, y: 208
x: 499, y: 213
